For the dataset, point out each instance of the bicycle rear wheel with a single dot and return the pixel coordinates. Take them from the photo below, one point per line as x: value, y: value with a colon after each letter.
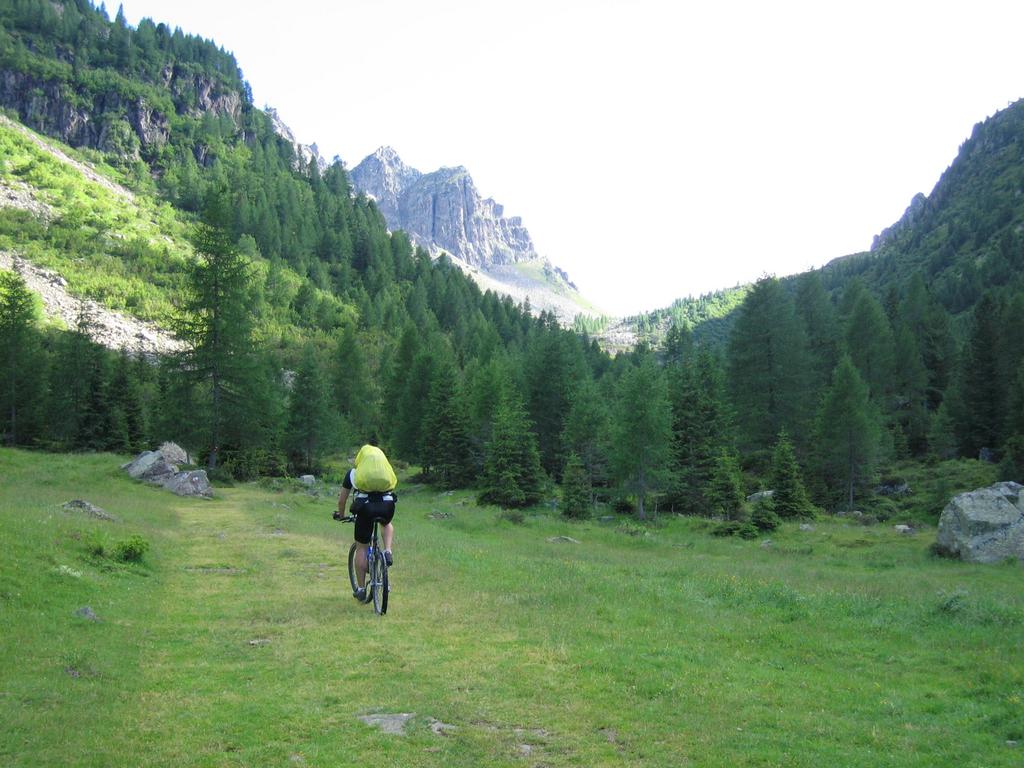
x: 352, y: 574
x: 379, y: 578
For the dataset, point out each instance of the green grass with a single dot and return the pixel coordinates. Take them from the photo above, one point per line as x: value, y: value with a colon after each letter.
x: 235, y: 642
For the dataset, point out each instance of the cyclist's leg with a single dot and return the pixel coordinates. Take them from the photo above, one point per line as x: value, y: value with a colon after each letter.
x: 387, y: 533
x: 361, y: 563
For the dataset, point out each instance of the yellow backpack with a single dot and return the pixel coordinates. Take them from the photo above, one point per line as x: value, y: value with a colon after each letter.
x: 373, y: 470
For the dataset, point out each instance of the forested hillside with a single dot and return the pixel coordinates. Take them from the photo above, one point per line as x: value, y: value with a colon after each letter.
x: 310, y: 327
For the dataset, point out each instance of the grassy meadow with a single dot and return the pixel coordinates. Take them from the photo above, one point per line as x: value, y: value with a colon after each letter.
x: 235, y: 642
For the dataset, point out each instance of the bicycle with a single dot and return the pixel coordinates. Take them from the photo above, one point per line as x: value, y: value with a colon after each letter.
x: 377, y: 586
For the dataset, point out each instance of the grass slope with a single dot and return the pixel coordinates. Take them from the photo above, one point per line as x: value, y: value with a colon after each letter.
x: 235, y: 642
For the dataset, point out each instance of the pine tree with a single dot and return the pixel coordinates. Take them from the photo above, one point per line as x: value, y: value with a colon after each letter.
x: 848, y: 431
x: 313, y: 425
x: 217, y: 327
x: 576, y: 492
x: 725, y: 488
x: 512, y: 475
x: 768, y: 368
x: 127, y: 418
x: 447, y: 451
x: 869, y: 340
x: 642, y: 428
x: 701, y: 430
x: 587, y: 432
x: 790, y: 498
x: 21, y: 362
x: 982, y: 387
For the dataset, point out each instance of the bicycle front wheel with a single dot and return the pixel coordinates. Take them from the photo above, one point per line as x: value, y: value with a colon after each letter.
x: 379, y: 577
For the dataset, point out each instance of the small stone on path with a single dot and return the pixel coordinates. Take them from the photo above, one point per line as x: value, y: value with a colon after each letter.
x: 81, y: 505
x: 259, y: 641
x: 389, y: 723
x: 87, y: 613
x: 563, y: 540
x: 441, y: 729
x: 806, y: 527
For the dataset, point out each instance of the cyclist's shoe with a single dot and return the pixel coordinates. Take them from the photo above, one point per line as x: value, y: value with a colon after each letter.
x: 389, y: 558
x: 360, y: 594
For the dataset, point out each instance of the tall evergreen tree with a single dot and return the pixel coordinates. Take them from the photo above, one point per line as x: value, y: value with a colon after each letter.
x: 642, y: 428
x: 790, y: 498
x: 869, y: 339
x: 313, y: 425
x: 217, y: 327
x: 982, y: 387
x: 576, y: 492
x: 587, y: 432
x: 768, y: 368
x: 724, y: 492
x: 447, y: 450
x: 701, y: 430
x: 512, y: 475
x: 21, y: 362
x: 848, y: 431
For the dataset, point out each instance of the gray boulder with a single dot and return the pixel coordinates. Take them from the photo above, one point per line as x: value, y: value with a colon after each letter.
x: 193, y: 483
x: 760, y: 496
x: 151, y: 466
x: 174, y: 453
x: 985, y: 525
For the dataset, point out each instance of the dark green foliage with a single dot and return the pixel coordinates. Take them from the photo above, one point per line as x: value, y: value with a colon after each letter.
x: 130, y: 550
x: 869, y: 341
x: 790, y: 498
x: 848, y: 433
x: 576, y: 491
x: 983, y: 388
x: 642, y: 425
x: 127, y: 415
x: 701, y: 429
x: 22, y: 388
x: 587, y: 432
x: 763, y: 516
x: 725, y: 488
x: 769, y: 368
x: 447, y: 450
x: 512, y: 475
x: 313, y: 425
x: 221, y: 360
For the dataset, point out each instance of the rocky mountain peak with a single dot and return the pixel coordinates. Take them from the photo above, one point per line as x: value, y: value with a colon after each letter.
x: 304, y: 153
x: 443, y: 210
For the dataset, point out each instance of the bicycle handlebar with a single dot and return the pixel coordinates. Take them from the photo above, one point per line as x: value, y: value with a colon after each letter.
x: 344, y: 518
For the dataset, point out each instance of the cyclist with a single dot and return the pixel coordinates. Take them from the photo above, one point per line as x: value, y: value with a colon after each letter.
x: 371, y: 482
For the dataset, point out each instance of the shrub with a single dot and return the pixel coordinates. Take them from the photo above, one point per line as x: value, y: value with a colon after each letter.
x: 130, y: 550
x: 764, y: 517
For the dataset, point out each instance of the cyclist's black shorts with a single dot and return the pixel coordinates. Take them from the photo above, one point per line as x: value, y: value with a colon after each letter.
x: 379, y: 506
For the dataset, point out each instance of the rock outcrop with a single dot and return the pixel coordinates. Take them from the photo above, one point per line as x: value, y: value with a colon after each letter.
x: 985, y: 525
x: 159, y: 468
x: 443, y: 211
x: 108, y: 120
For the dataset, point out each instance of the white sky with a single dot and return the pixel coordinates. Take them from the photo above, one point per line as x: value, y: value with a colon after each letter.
x: 654, y: 148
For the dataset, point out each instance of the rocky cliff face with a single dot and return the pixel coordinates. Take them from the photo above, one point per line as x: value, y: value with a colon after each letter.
x: 109, y: 120
x: 443, y: 211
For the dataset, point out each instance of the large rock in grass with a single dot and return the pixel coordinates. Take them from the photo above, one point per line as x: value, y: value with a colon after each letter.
x: 194, y: 483
x: 160, y: 468
x: 151, y: 466
x: 985, y: 525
